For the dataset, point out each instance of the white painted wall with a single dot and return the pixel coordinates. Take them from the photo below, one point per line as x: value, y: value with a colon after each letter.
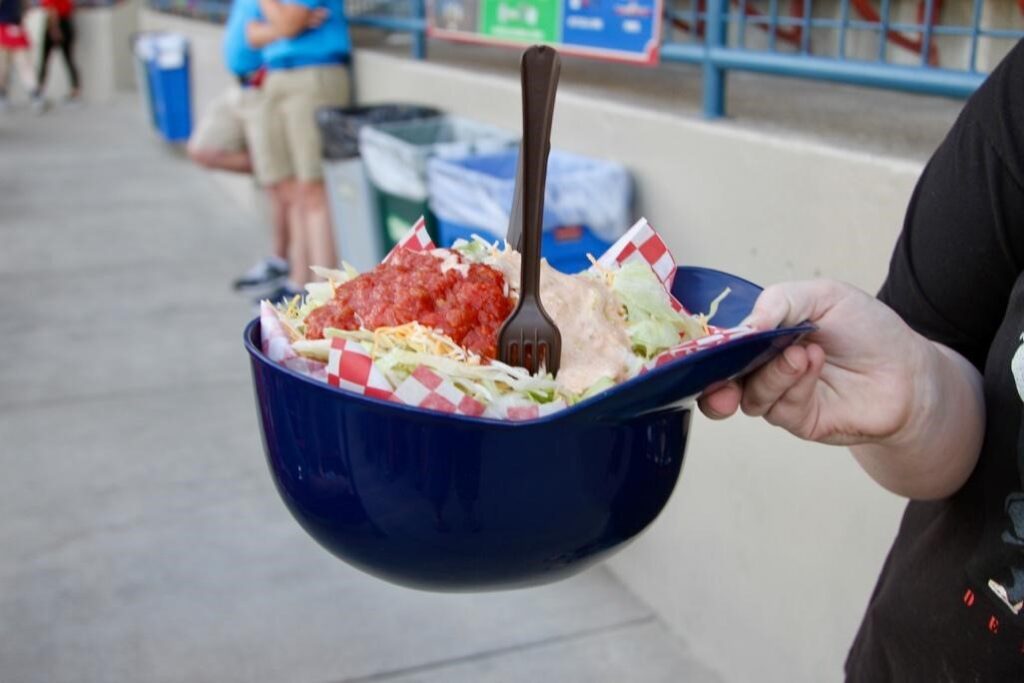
x: 765, y: 557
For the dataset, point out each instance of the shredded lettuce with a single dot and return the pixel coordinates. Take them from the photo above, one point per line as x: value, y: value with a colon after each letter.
x: 484, y: 382
x: 652, y: 323
x: 476, y: 249
x: 338, y: 277
x: 597, y: 387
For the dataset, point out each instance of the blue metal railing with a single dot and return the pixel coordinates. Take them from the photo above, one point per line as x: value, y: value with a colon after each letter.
x: 718, y: 35
x: 393, y: 15
x: 207, y: 10
x: 724, y: 46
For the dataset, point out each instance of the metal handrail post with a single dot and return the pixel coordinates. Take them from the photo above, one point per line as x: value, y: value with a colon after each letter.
x: 419, y: 36
x: 714, y: 76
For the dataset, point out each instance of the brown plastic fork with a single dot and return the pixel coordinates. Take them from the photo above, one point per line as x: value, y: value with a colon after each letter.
x: 529, y: 338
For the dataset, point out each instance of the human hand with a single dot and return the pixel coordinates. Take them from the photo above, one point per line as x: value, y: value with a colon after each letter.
x: 852, y: 381
x: 317, y: 17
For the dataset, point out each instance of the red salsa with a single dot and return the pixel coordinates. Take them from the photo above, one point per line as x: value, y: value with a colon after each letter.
x: 410, y: 287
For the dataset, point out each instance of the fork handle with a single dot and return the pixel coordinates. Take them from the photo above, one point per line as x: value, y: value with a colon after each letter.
x: 514, y: 236
x: 539, y: 69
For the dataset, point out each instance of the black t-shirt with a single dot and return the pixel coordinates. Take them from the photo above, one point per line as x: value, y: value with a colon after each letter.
x: 957, y: 277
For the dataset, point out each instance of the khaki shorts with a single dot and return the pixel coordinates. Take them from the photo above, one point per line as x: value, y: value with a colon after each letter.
x: 291, y: 99
x: 221, y: 127
x: 233, y: 123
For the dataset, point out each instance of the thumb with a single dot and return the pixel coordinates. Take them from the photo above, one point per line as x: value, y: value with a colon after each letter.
x: 791, y: 303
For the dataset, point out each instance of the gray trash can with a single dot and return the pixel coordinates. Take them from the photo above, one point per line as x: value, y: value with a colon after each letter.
x: 396, y: 156
x: 587, y: 203
x: 353, y: 208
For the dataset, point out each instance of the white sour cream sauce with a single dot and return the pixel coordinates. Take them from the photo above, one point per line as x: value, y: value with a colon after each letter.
x: 589, y: 317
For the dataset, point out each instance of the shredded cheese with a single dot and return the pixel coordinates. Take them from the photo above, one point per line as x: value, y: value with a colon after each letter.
x: 419, y: 338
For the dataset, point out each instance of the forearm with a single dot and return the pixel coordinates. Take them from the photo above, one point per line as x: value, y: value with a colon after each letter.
x: 258, y: 34
x: 287, y: 20
x: 936, y: 451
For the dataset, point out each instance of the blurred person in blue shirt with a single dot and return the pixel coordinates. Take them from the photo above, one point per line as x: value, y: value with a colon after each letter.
x: 307, y: 69
x: 233, y: 135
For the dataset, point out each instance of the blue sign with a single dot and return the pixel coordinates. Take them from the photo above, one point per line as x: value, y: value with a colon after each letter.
x: 619, y: 30
x: 613, y: 25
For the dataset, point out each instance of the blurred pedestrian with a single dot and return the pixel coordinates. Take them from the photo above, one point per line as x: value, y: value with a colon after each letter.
x: 307, y: 70
x: 59, y: 33
x: 14, y: 49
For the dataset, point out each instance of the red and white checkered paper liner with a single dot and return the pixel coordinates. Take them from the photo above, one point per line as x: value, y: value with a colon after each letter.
x: 716, y: 338
x: 521, y: 410
x: 350, y: 367
x: 417, y: 239
x: 427, y: 389
x: 642, y: 243
x: 277, y: 346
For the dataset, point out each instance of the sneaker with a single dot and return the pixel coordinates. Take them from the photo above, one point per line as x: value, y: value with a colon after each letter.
x: 72, y: 101
x: 267, y: 274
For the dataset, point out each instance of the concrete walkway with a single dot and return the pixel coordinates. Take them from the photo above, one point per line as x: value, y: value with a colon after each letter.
x: 140, y: 536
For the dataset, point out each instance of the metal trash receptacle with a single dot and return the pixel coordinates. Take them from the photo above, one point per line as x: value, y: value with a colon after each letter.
x: 169, y: 76
x: 354, y: 214
x: 396, y: 157
x: 587, y: 206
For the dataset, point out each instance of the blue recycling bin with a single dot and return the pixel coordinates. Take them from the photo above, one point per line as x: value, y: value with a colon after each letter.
x: 587, y: 203
x: 168, y: 68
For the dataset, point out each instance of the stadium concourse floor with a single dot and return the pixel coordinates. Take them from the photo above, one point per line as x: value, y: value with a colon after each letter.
x: 141, y: 538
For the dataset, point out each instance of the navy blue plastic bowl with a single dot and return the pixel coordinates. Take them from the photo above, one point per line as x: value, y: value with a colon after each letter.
x: 448, y: 503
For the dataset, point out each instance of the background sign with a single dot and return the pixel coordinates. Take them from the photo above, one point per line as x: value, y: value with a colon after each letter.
x: 622, y: 30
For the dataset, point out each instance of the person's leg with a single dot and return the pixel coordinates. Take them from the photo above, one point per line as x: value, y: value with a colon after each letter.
x: 265, y: 137
x: 268, y: 278
x: 269, y: 165
x: 298, y: 242
x: 281, y: 204
x: 44, y: 61
x: 6, y: 56
x: 316, y: 87
x: 67, y: 45
x: 234, y: 161
x: 316, y: 221
x: 218, y: 142
x: 23, y: 63
x: 287, y: 117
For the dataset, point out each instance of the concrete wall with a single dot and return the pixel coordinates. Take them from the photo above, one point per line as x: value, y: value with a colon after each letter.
x: 765, y: 557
